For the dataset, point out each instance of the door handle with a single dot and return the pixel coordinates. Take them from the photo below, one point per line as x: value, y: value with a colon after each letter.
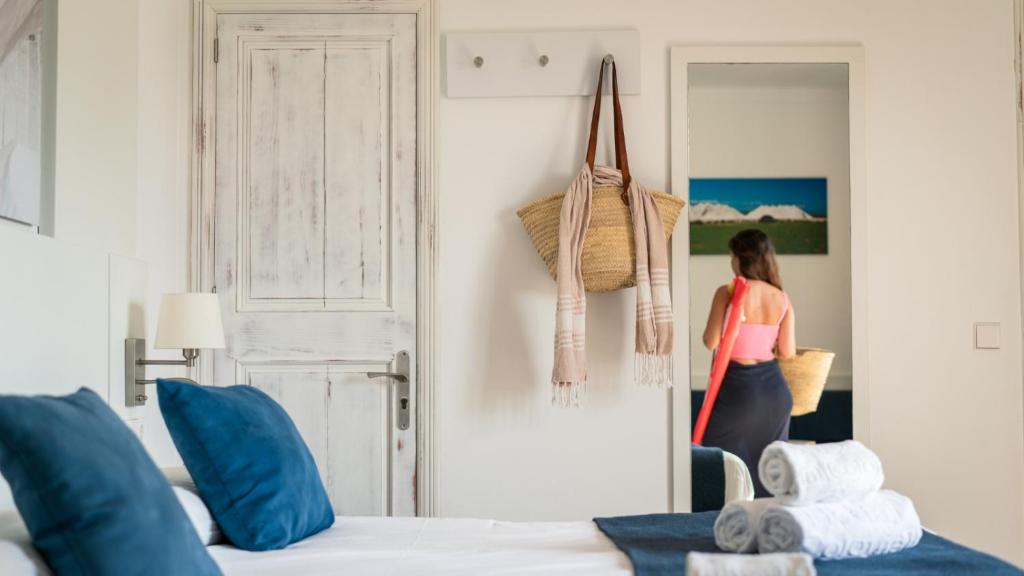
x: 401, y: 377
x: 396, y: 375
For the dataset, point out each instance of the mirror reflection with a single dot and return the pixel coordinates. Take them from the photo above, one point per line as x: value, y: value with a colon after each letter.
x: 769, y: 265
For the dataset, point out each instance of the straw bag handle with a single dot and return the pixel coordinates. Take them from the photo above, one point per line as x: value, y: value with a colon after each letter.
x: 621, y: 161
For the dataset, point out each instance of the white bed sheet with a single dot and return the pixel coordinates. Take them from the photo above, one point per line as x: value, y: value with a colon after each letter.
x: 435, y: 546
x: 17, y: 555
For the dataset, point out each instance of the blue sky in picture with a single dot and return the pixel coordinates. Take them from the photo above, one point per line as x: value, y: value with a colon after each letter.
x: 745, y: 194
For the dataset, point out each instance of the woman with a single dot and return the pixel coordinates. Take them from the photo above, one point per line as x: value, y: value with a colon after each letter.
x: 753, y: 405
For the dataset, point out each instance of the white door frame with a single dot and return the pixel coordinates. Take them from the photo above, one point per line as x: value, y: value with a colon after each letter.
x: 201, y: 196
x: 681, y: 58
x: 1018, y: 85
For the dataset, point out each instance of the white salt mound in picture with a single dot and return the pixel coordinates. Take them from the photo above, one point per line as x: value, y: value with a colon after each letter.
x: 714, y: 212
x: 778, y: 212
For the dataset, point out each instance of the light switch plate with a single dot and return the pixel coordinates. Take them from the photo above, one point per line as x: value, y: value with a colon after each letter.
x: 986, y: 335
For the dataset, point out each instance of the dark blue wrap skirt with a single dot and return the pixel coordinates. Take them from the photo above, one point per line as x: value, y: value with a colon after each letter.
x: 751, y: 412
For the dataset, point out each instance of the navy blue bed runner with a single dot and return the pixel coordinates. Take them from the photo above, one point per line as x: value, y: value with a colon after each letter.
x: 657, y: 545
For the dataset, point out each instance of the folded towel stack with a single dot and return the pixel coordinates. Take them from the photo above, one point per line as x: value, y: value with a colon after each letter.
x: 810, y: 473
x: 736, y: 525
x: 780, y: 564
x: 881, y: 523
x: 826, y: 502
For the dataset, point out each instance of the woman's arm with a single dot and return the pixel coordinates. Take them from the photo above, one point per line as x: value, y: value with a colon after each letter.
x: 713, y: 331
x: 787, y: 334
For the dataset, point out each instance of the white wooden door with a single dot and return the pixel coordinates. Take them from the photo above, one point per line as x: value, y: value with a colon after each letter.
x: 315, y: 236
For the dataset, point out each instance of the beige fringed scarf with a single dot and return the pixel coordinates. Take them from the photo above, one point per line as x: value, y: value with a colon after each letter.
x: 569, y: 377
x: 653, y: 364
x: 653, y: 299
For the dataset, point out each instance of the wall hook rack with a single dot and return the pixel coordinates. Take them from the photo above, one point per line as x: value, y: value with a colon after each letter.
x: 538, y: 63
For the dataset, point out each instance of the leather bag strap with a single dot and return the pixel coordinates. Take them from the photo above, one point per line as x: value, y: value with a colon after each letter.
x: 621, y: 159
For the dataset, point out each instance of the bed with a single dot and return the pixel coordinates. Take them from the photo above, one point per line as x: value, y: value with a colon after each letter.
x: 457, y: 547
x: 436, y: 546
x: 425, y: 546
x: 412, y: 546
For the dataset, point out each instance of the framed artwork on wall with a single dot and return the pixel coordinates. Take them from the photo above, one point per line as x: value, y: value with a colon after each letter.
x: 21, y: 110
x: 792, y: 211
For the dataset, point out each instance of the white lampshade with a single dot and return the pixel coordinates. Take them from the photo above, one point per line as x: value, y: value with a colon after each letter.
x: 189, y: 321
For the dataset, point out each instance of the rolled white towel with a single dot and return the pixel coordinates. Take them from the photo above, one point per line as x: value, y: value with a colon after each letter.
x: 736, y: 525
x: 881, y: 523
x: 806, y: 473
x: 703, y: 564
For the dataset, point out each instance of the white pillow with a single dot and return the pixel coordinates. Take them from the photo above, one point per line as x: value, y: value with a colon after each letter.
x: 199, y: 514
x: 188, y: 496
x: 738, y: 483
x: 17, y: 555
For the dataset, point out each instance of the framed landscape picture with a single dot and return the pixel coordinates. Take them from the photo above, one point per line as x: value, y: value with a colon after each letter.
x: 792, y: 211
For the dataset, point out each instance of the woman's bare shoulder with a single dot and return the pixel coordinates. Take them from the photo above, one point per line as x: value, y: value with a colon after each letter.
x: 766, y: 288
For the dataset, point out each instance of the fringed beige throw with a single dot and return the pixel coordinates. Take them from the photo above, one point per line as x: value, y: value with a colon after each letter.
x: 653, y: 364
x: 653, y: 301
x: 569, y: 376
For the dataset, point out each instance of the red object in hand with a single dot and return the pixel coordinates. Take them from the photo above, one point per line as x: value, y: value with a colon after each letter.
x: 721, y: 362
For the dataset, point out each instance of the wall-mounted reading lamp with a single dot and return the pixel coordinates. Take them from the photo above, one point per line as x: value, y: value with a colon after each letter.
x: 188, y: 322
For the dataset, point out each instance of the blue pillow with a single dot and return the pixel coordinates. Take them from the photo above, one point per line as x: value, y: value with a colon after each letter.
x: 91, y: 497
x: 249, y: 463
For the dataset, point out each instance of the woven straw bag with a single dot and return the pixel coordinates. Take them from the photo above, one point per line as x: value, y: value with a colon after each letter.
x: 806, y: 374
x: 609, y: 258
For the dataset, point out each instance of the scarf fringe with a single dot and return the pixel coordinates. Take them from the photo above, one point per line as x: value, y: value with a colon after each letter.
x: 568, y: 394
x: 652, y: 370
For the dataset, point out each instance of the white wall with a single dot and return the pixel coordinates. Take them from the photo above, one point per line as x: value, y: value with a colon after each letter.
x: 945, y: 418
x: 96, y: 124
x: 776, y: 128
x: 122, y: 134
x: 65, y: 313
x: 161, y: 210
x: 505, y: 451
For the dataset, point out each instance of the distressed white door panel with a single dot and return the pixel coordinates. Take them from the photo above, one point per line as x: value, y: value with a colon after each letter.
x: 260, y: 336
x: 315, y: 234
x: 282, y: 188
x: 360, y: 416
x: 358, y: 182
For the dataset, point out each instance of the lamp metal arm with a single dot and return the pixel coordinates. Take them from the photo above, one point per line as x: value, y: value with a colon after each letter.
x: 135, y: 369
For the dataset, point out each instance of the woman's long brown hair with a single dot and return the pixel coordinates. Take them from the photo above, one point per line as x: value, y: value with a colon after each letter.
x: 756, y: 255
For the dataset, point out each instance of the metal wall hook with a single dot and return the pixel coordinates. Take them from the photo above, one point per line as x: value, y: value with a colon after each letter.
x: 543, y: 62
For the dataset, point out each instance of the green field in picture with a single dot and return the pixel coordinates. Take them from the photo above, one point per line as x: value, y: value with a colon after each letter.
x: 789, y: 237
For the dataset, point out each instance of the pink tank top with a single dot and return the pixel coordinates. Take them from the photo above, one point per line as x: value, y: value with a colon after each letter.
x: 757, y: 341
